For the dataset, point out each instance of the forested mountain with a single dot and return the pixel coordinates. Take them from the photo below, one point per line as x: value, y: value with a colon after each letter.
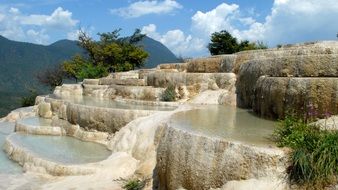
x: 158, y: 53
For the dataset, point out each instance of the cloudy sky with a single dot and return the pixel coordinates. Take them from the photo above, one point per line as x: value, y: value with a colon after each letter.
x: 184, y: 26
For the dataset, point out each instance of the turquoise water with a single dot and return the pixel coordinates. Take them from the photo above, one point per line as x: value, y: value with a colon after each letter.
x: 62, y: 149
x: 226, y: 122
x: 110, y: 103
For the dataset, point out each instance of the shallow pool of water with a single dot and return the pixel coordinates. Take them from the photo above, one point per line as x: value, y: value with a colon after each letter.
x: 62, y: 149
x: 6, y: 128
x: 226, y: 122
x: 110, y: 103
x: 36, y: 121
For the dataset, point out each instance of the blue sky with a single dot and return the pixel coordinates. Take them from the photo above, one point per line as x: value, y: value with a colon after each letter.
x: 183, y: 26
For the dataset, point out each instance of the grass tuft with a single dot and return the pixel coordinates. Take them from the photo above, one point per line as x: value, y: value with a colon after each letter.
x: 134, y: 184
x: 169, y: 94
x: 314, y: 159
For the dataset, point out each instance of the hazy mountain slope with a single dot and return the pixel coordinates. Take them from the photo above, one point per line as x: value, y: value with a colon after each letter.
x: 19, y: 64
x: 158, y: 53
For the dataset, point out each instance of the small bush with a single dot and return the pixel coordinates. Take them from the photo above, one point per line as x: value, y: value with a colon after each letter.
x: 169, y: 94
x: 134, y: 184
x: 29, y: 100
x: 314, y: 157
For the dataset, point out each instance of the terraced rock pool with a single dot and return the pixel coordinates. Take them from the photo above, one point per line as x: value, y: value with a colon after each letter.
x: 226, y: 122
x: 110, y: 103
x: 62, y: 149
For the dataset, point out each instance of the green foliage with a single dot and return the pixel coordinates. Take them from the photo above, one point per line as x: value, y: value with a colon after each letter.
x: 134, y: 184
x: 29, y: 100
x: 169, y: 94
x: 91, y: 71
x: 110, y: 54
x: 224, y: 43
x: 80, y: 68
x: 314, y: 159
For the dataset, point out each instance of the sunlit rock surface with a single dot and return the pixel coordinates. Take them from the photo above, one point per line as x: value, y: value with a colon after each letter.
x: 296, y: 66
x: 206, y: 148
x: 69, y: 90
x: 20, y: 113
x: 98, y: 114
x: 329, y: 123
x: 276, y: 96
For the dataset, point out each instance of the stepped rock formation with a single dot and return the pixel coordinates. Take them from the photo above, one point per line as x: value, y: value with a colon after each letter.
x: 292, y: 69
x: 197, y: 162
x: 124, y: 112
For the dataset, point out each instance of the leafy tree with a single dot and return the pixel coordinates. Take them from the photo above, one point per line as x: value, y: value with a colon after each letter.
x: 110, y: 54
x: 224, y: 43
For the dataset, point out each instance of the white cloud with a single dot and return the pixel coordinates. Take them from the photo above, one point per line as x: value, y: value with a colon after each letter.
x: 216, y: 19
x: 59, y: 18
x: 290, y: 21
x: 73, y: 35
x: 293, y: 21
x: 39, y: 37
x: 35, y: 28
x: 14, y: 10
x: 141, y: 8
x: 150, y: 30
x: 176, y: 41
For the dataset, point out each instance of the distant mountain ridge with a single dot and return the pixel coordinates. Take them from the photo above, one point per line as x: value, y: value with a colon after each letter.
x: 21, y: 61
x: 158, y: 53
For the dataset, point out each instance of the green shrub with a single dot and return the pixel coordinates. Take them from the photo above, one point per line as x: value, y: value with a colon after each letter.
x: 169, y: 94
x: 134, y: 184
x: 314, y: 156
x: 224, y: 43
x: 29, y: 100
